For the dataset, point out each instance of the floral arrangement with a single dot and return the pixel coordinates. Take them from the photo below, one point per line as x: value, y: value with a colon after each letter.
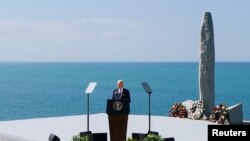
x: 178, y: 110
x: 197, y: 110
x: 220, y: 114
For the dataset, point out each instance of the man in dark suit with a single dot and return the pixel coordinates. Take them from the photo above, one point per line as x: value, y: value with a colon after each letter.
x: 118, y: 128
x: 121, y: 92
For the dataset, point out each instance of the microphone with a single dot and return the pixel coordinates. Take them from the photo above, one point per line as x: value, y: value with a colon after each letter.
x: 116, y: 95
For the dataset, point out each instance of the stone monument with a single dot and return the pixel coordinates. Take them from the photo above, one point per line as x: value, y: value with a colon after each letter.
x: 207, y: 64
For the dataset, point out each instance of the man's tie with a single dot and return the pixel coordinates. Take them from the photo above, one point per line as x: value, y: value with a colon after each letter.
x: 119, y: 92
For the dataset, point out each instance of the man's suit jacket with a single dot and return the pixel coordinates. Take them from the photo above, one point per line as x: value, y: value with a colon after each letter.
x: 124, y: 95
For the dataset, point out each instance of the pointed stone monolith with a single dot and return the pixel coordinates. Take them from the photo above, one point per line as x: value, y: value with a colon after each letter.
x: 206, y: 64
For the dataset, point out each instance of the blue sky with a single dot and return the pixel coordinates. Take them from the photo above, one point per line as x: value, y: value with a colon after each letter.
x: 113, y: 30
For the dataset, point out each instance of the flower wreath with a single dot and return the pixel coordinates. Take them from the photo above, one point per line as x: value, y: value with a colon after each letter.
x: 178, y: 110
x: 197, y: 110
x: 220, y: 114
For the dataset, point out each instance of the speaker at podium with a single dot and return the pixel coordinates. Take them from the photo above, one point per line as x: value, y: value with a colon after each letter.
x: 118, y: 111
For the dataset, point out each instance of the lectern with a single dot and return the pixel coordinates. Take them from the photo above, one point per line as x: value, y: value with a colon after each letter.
x: 92, y: 136
x: 118, y: 111
x: 141, y: 136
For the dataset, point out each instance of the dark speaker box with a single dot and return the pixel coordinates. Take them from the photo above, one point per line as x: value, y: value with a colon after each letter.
x: 169, y: 139
x: 138, y: 136
x: 100, y: 137
x: 53, y: 137
x: 153, y: 132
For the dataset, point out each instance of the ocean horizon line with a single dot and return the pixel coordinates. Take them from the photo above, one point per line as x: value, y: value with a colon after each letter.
x: 14, y: 62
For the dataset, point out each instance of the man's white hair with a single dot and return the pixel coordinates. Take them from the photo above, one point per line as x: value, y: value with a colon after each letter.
x: 119, y: 81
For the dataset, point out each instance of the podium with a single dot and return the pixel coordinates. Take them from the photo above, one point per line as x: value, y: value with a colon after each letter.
x: 118, y: 111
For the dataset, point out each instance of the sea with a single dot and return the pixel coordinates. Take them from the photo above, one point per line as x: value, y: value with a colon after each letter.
x: 36, y: 90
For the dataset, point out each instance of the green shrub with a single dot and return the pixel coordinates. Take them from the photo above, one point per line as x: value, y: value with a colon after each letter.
x: 131, y: 139
x: 153, y: 137
x: 78, y: 138
x: 149, y: 137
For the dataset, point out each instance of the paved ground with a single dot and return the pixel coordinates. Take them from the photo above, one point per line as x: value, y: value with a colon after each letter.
x: 65, y: 127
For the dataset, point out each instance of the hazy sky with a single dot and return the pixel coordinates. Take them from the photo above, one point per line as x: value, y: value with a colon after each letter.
x: 120, y: 30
